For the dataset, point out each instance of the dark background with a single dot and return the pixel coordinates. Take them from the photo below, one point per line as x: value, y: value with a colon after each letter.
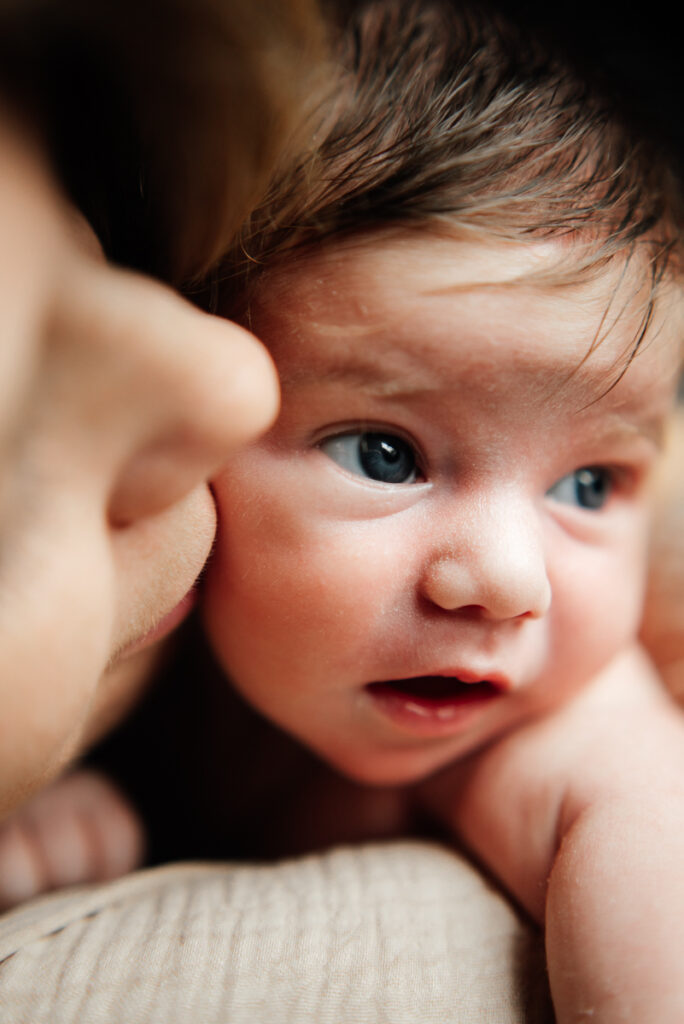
x: 82, y: 76
x: 635, y: 51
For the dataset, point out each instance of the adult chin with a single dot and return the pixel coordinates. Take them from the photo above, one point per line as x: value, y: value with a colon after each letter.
x: 118, y: 691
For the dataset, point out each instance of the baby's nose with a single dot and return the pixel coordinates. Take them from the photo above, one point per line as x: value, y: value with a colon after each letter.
x: 494, y: 563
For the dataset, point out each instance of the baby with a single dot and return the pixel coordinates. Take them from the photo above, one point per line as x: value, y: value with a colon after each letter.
x: 431, y: 569
x: 430, y: 572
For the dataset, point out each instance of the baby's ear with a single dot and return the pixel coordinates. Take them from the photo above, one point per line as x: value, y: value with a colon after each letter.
x: 663, y: 625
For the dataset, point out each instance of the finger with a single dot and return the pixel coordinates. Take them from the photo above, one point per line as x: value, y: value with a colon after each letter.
x: 80, y: 829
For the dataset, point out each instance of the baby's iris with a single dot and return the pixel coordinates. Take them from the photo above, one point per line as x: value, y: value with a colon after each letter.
x: 588, y: 487
x: 374, y: 455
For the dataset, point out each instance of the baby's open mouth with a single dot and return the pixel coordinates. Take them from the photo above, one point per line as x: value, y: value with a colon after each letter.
x: 434, y: 705
x: 435, y: 690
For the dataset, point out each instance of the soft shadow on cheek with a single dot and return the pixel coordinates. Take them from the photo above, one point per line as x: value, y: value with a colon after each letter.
x: 597, y: 609
x: 318, y: 590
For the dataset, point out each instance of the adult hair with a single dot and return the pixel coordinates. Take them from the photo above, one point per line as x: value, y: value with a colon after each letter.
x: 447, y: 115
x: 163, y: 118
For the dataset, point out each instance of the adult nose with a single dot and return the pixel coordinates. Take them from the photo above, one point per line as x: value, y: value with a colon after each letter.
x: 491, y: 562
x: 161, y: 392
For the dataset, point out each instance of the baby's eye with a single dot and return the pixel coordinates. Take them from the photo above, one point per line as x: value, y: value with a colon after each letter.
x: 589, y: 487
x: 374, y: 455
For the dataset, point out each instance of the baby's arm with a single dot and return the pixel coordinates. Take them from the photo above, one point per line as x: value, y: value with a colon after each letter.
x: 580, y: 816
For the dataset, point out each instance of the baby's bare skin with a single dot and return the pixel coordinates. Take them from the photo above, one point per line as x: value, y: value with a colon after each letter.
x: 434, y: 564
x: 578, y: 815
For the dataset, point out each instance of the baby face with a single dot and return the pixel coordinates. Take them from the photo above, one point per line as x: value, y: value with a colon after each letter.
x: 443, y: 536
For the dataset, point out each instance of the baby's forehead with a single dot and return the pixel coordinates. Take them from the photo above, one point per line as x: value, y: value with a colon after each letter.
x: 362, y: 288
x: 555, y: 269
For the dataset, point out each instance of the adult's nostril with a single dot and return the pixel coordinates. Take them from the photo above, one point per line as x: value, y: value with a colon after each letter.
x: 158, y: 477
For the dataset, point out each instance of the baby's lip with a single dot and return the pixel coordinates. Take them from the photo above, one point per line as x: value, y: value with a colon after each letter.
x: 438, y: 704
x: 444, y: 684
x: 439, y: 689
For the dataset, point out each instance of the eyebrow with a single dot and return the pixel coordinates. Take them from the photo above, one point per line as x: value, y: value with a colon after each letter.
x: 652, y: 428
x: 368, y: 376
x: 358, y: 374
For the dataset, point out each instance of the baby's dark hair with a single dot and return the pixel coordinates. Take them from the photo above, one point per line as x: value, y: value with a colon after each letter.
x: 442, y: 115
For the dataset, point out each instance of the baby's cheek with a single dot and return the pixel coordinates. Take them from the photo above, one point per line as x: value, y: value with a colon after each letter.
x: 594, y: 622
x: 297, y: 598
x: 292, y: 596
x: 252, y: 598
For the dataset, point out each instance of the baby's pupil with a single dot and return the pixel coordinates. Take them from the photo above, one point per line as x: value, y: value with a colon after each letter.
x: 592, y: 487
x: 386, y: 458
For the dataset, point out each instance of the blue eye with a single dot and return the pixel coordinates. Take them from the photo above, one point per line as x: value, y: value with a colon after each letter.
x: 374, y: 455
x: 589, y: 488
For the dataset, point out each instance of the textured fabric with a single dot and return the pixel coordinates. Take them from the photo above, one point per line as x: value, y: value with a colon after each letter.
x: 404, y: 933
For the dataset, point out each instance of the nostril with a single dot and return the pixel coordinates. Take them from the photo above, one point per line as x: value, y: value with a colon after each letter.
x: 498, y: 585
x: 156, y: 478
x: 472, y: 611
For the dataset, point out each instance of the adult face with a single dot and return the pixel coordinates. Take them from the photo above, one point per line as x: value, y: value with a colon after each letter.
x: 119, y: 401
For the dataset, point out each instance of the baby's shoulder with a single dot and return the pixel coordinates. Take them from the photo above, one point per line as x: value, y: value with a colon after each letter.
x: 621, y: 738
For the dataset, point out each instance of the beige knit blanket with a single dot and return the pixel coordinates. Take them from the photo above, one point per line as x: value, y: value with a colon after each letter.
x: 401, y: 933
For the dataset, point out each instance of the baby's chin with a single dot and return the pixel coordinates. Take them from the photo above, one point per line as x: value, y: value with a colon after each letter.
x: 386, y: 768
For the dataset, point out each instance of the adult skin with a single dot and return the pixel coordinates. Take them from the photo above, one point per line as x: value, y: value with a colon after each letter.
x: 118, y: 399
x: 118, y: 402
